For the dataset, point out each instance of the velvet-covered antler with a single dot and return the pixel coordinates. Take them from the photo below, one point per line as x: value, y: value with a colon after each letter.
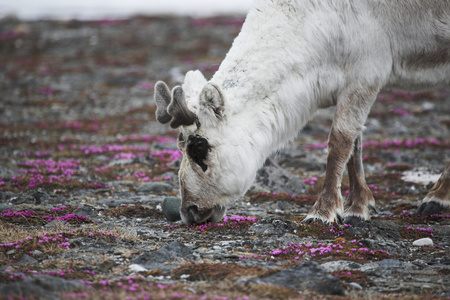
x: 172, y: 107
x: 162, y: 99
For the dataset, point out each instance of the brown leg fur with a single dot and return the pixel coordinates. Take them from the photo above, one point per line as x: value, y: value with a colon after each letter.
x: 351, y: 112
x: 360, y: 198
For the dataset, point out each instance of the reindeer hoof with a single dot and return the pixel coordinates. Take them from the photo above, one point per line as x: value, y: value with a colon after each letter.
x: 313, y: 220
x: 430, y: 208
x: 355, y: 221
x: 339, y: 220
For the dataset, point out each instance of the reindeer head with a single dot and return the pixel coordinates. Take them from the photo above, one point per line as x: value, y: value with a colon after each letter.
x: 214, y: 171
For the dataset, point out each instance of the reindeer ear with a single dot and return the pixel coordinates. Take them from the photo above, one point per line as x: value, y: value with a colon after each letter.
x: 211, y: 105
x: 162, y: 98
x: 194, y: 81
x: 181, y: 115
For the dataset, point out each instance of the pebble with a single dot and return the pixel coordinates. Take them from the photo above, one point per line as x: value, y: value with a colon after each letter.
x: 355, y: 286
x: 137, y: 268
x: 423, y: 242
x: 171, y: 208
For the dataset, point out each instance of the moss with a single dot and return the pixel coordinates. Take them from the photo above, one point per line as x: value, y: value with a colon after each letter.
x: 268, y: 291
x: 216, y: 271
x: 135, y: 211
x: 324, y: 231
x: 352, y: 276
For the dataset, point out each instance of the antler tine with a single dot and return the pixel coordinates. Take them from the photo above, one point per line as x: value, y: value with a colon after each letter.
x: 162, y: 98
x: 181, y: 115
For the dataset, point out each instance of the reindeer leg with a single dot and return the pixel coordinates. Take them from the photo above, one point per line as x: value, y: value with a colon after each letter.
x: 438, y: 198
x: 360, y: 198
x: 351, y: 113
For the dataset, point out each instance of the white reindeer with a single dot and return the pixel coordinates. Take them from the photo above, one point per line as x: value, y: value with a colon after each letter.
x: 291, y: 58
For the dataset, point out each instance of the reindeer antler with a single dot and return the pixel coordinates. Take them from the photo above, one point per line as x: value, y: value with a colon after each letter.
x: 162, y: 99
x: 173, y: 107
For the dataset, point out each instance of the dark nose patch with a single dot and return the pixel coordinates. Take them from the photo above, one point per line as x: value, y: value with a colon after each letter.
x: 197, y: 149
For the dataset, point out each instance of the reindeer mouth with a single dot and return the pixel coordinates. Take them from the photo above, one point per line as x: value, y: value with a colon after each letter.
x: 195, y: 215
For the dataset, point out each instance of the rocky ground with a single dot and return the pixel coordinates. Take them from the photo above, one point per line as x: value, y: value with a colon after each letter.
x: 84, y: 169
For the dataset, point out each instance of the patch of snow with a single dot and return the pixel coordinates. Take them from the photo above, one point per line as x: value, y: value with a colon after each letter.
x: 420, y: 176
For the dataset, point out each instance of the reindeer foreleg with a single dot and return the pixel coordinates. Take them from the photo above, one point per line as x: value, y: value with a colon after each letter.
x: 352, y: 109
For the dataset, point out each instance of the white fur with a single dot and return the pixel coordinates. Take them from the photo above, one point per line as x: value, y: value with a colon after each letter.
x: 293, y: 57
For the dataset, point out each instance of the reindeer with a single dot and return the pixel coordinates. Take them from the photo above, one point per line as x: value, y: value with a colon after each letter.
x: 291, y: 58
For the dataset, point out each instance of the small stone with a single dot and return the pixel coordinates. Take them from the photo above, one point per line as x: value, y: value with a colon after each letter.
x: 171, y: 208
x: 154, y: 187
x: 423, y: 242
x: 355, y: 286
x: 174, y: 250
x: 137, y: 268
x: 86, y: 211
x: 26, y: 259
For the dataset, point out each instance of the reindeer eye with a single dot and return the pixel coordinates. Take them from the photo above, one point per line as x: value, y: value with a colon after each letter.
x: 198, y: 149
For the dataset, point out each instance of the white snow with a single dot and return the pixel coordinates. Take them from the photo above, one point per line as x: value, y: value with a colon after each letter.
x: 420, y: 176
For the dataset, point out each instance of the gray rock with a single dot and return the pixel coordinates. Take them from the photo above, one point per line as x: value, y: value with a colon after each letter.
x: 41, y: 287
x: 390, y: 263
x: 166, y: 253
x: 5, y: 196
x: 115, y: 202
x: 154, y: 187
x: 438, y: 231
x: 86, y: 211
x: 171, y: 208
x: 336, y: 265
x: 33, y: 291
x: 55, y: 284
x: 303, y: 277
x: 4, y: 207
x: 386, y: 245
x: 270, y: 226
x: 26, y: 259
x: 23, y: 199
x: 40, y: 197
x: 277, y: 179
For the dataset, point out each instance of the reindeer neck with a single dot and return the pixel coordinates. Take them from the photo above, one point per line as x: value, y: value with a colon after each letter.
x: 273, y: 83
